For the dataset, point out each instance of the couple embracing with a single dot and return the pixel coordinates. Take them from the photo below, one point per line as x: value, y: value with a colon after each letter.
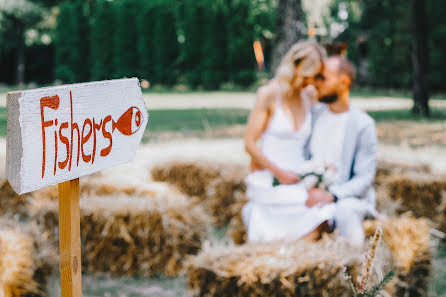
x: 301, y: 116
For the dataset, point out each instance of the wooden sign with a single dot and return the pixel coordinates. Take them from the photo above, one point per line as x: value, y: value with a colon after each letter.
x: 57, y: 134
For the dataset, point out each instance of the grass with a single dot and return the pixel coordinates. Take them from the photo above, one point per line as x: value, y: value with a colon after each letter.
x: 199, y: 120
x: 438, y: 114
x: 195, y: 119
x: 369, y: 92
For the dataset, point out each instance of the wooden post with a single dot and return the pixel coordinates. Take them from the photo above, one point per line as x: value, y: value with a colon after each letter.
x: 69, y: 239
x: 7, y: 291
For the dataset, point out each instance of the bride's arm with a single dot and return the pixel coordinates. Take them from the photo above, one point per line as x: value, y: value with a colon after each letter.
x: 257, y: 123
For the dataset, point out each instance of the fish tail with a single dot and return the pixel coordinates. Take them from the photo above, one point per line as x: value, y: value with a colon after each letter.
x: 113, y: 125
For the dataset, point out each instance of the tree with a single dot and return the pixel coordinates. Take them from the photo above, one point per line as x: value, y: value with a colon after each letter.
x: 71, y: 43
x: 102, y: 40
x: 420, y: 59
x: 126, y: 38
x: 165, y: 44
x: 15, y: 17
x: 240, y: 38
x: 289, y: 21
x: 194, y: 14
x: 215, y: 68
x: 146, y: 45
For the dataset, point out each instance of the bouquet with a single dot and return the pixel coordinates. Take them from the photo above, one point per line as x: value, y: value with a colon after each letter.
x: 314, y: 174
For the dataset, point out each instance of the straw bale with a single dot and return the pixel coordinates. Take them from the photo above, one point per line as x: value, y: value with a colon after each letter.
x: 191, y: 178
x: 408, y: 240
x: 93, y: 188
x: 26, y: 259
x: 420, y: 194
x: 10, y: 202
x: 219, y: 186
x: 385, y: 169
x: 226, y: 194
x: 129, y: 235
x: 284, y: 268
x: 236, y: 230
x: 442, y: 217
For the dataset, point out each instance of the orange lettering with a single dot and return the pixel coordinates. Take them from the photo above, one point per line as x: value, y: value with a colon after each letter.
x: 64, y: 140
x: 85, y: 157
x: 53, y: 103
x: 74, y: 126
x: 95, y: 127
x: 106, y: 151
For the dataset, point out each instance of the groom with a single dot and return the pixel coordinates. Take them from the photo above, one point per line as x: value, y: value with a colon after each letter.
x: 345, y: 137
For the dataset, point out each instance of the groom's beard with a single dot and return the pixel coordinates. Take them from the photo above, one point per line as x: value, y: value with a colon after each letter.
x: 329, y: 98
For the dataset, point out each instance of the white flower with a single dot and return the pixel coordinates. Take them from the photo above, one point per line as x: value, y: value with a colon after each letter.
x: 310, y: 181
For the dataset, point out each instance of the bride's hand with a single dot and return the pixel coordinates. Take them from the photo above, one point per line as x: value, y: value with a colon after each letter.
x: 286, y: 177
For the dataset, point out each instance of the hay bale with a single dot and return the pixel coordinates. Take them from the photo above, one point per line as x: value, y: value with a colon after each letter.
x: 408, y: 241
x: 92, y: 187
x: 10, y: 202
x: 191, y: 178
x: 420, y: 194
x: 294, y: 268
x: 129, y: 235
x: 26, y: 259
x: 226, y: 194
x: 236, y: 230
x: 385, y: 169
x: 219, y: 186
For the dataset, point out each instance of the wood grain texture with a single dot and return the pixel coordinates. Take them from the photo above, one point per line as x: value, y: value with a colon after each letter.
x: 7, y: 291
x: 60, y: 133
x: 69, y: 239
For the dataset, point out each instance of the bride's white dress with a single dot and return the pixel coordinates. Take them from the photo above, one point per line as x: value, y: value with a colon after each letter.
x: 279, y: 212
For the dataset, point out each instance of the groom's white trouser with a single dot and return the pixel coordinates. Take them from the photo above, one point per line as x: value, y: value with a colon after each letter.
x: 349, y: 217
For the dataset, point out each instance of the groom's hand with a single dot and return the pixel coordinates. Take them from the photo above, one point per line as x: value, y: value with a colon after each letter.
x: 316, y: 196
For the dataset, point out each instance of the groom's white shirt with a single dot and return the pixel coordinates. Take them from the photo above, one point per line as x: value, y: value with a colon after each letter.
x: 356, y: 171
x: 328, y: 138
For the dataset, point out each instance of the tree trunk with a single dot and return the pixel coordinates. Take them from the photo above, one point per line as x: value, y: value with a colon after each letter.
x: 289, y: 23
x: 420, y: 59
x: 20, y: 58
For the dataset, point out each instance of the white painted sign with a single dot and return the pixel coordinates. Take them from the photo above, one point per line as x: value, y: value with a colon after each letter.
x: 60, y: 133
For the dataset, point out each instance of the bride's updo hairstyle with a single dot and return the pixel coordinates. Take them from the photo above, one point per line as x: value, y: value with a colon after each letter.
x: 305, y: 56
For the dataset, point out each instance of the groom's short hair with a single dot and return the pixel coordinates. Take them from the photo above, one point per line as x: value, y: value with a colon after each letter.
x: 344, y: 66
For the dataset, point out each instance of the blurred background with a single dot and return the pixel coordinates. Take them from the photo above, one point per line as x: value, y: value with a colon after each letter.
x: 200, y: 63
x: 208, y: 45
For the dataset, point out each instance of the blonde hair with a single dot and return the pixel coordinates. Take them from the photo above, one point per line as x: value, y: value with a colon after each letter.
x: 307, y: 55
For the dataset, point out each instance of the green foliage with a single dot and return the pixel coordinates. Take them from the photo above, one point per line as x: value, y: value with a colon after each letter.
x: 194, y: 14
x: 379, y: 286
x: 165, y: 44
x: 126, y: 38
x: 102, y: 52
x: 241, y: 58
x: 214, y: 65
x: 437, y: 43
x: 387, y: 26
x: 146, y: 46
x: 201, y: 43
x: 71, y: 43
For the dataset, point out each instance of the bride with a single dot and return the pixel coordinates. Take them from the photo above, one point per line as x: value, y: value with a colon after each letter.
x: 281, y: 120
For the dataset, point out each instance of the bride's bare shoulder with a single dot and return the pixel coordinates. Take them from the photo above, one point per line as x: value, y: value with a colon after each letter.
x: 266, y: 94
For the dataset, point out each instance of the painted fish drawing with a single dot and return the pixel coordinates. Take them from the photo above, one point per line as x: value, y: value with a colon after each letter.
x: 129, y: 122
